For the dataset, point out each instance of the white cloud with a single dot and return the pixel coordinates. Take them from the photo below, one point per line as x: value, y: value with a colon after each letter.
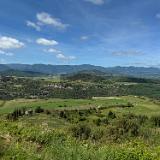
x: 60, y: 55
x: 53, y: 50
x: 96, y: 2
x: 6, y: 53
x: 65, y: 58
x: 47, y: 19
x: 33, y: 25
x: 44, y: 18
x: 46, y: 42
x: 10, y: 43
x: 84, y: 38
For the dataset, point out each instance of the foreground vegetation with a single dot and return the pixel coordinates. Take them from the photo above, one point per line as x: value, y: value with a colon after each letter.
x: 101, y: 128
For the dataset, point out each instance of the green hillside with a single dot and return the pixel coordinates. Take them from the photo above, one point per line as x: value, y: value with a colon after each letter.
x: 102, y: 128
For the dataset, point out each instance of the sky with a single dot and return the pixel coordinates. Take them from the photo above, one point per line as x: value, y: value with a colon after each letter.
x: 99, y: 32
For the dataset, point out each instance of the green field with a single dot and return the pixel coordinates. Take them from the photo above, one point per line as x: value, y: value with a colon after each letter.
x: 142, y: 105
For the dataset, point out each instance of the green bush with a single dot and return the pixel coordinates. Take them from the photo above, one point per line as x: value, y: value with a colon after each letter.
x: 39, y: 110
x: 111, y: 115
x: 142, y: 119
x: 15, y: 114
x: 62, y: 114
x: 128, y: 126
x: 82, y: 118
x: 105, y: 121
x: 155, y: 120
x: 129, y: 104
x: 81, y: 131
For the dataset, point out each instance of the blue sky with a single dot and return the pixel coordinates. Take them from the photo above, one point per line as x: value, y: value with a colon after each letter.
x: 99, y: 32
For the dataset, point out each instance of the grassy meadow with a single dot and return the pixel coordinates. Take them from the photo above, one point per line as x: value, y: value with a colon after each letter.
x: 101, y: 128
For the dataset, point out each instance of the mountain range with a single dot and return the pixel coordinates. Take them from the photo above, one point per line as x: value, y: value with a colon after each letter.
x: 44, y: 69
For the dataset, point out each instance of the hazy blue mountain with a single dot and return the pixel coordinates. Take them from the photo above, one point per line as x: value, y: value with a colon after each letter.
x: 54, y: 69
x: 135, y: 71
x: 3, y: 67
x: 18, y: 73
x: 69, y: 69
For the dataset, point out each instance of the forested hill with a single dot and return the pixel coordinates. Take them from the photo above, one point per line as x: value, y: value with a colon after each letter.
x: 69, y: 69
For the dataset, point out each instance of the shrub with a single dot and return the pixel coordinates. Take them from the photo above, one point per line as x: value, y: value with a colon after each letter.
x: 97, y: 134
x: 124, y: 127
x: 15, y: 114
x: 130, y: 116
x: 129, y: 104
x: 47, y: 112
x: 97, y: 121
x: 82, y: 118
x: 105, y: 121
x: 142, y: 119
x: 62, y: 114
x: 81, y: 131
x: 39, y: 110
x: 11, y: 116
x: 156, y: 120
x: 80, y: 113
x: 111, y: 115
x: 2, y: 147
x: 129, y: 126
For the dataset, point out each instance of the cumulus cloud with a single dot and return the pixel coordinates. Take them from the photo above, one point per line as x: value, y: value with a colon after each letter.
x: 44, y: 18
x: 47, y: 19
x: 65, y: 58
x: 33, y: 25
x: 46, y: 42
x: 7, y: 43
x: 96, y: 2
x: 60, y: 55
x: 126, y: 53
